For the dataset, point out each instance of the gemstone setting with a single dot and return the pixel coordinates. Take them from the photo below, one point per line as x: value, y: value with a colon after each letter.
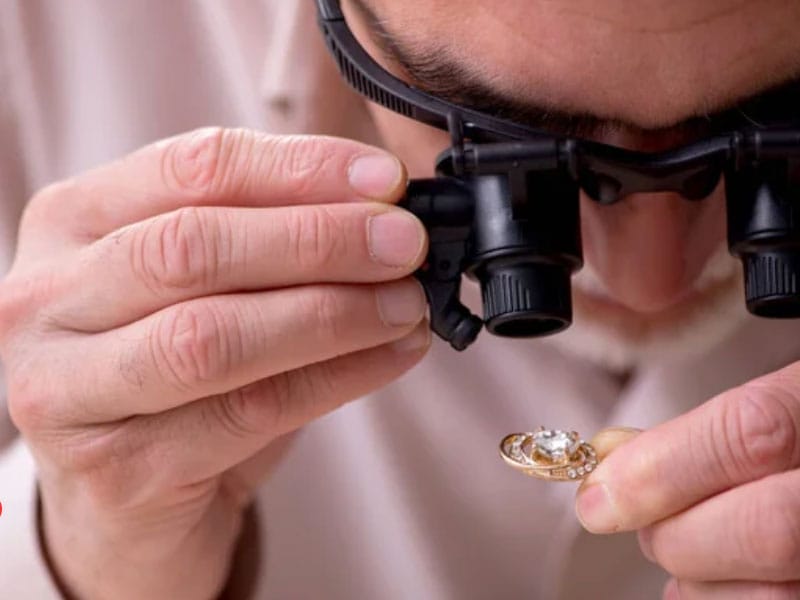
x: 556, y: 445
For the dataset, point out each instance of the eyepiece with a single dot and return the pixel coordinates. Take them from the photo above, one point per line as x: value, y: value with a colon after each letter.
x: 526, y: 300
x: 764, y: 231
x: 526, y: 245
x: 771, y: 282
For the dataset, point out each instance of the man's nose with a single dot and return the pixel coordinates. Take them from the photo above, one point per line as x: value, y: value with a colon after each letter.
x: 649, y: 249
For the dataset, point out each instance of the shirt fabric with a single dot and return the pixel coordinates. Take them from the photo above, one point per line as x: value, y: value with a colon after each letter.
x: 399, y: 495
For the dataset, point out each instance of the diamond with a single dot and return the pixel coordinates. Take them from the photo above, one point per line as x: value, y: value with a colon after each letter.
x: 555, y: 444
x: 581, y: 471
x: 589, y: 467
x: 572, y: 474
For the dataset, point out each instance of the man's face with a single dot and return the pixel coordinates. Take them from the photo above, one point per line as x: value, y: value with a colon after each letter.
x: 626, y: 72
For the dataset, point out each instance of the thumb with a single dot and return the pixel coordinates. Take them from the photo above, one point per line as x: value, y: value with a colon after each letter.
x: 607, y: 440
x: 604, y: 443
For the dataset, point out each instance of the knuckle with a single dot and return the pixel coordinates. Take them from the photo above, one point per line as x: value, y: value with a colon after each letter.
x: 298, y: 161
x: 315, y: 389
x: 192, y: 345
x: 177, y: 250
x: 21, y: 296
x: 251, y: 410
x: 48, y: 202
x: 316, y: 237
x: 28, y: 406
x: 202, y: 162
x: 758, y: 432
x: 282, y: 402
x: 278, y: 395
x: 297, y: 398
x: 326, y: 311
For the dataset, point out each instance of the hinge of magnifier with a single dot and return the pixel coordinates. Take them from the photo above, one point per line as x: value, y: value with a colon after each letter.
x: 455, y: 126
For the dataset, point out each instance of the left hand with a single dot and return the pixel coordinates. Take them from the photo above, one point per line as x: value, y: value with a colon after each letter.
x: 714, y: 493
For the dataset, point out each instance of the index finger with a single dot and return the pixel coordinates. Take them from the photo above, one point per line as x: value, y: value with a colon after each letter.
x: 219, y: 167
x: 739, y: 436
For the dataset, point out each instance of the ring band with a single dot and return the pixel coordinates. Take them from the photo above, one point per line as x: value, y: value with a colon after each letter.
x: 549, y: 454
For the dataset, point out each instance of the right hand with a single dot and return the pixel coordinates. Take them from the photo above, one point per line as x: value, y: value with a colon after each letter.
x: 170, y: 315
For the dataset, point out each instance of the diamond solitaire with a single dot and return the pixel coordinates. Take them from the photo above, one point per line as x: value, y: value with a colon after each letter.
x: 549, y: 454
x: 556, y: 445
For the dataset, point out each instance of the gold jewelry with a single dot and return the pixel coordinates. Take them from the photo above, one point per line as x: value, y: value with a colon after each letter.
x: 549, y: 454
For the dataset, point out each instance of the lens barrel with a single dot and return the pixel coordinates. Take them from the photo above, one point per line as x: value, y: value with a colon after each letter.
x: 526, y: 245
x: 763, y: 205
x: 526, y: 299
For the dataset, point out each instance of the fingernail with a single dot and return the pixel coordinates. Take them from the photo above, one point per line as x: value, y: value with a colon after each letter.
x: 416, y: 340
x: 630, y: 430
x: 609, y: 439
x: 374, y: 175
x: 646, y: 543
x: 595, y: 509
x: 671, y: 590
x: 395, y: 238
x: 401, y: 302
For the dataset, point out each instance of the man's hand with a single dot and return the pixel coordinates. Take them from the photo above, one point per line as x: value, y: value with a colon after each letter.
x: 715, y: 494
x: 172, y: 314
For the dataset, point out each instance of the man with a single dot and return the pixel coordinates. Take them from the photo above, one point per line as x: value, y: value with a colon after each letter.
x: 173, y: 316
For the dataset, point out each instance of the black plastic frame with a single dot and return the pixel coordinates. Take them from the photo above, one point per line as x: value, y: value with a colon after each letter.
x: 628, y: 171
x: 481, y: 208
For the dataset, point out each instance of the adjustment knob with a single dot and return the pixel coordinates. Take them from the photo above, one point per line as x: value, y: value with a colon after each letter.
x: 526, y: 299
x: 771, y: 281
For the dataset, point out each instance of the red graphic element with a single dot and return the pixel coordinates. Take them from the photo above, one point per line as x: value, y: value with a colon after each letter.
x: 1, y: 508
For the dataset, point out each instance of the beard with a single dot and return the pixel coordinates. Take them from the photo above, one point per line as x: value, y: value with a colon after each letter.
x: 619, y: 338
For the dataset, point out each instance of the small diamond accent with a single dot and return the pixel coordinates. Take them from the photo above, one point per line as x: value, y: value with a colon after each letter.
x: 572, y: 474
x: 581, y: 471
x: 589, y: 467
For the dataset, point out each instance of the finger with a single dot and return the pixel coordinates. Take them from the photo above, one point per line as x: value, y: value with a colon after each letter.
x: 731, y: 590
x: 195, y: 252
x: 207, y: 346
x: 737, y: 437
x: 199, y: 440
x: 213, y: 167
x: 750, y: 533
x: 609, y: 439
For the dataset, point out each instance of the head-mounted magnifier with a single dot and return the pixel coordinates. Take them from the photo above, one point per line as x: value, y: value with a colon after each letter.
x: 504, y: 207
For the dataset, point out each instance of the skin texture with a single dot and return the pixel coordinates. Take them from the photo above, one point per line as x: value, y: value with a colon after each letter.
x: 155, y: 402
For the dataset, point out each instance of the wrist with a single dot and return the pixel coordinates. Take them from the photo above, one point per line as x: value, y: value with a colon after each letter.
x: 90, y: 556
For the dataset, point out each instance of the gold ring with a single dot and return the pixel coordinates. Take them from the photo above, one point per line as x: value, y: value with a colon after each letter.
x: 549, y: 454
